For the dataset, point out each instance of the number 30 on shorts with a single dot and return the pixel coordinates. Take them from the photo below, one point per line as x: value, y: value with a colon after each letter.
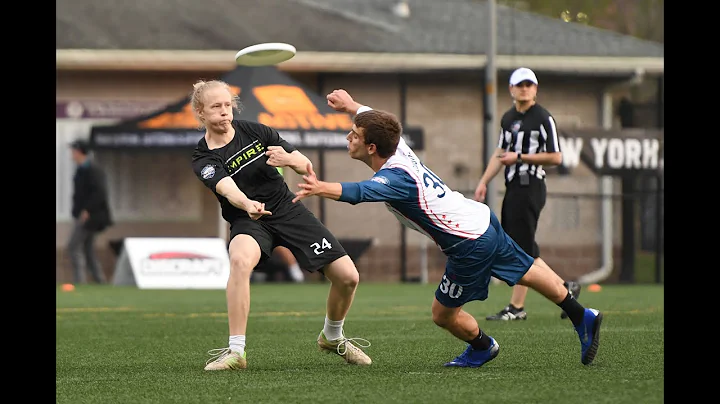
x: 320, y: 248
x: 451, y: 289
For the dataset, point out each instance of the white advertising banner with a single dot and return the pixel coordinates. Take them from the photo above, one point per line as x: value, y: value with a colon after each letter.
x: 173, y: 263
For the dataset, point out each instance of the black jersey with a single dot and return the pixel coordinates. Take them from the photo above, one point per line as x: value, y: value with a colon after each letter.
x: 529, y: 132
x: 244, y: 160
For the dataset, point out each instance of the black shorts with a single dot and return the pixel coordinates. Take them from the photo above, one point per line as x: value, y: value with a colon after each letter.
x: 296, y: 228
x: 521, y: 208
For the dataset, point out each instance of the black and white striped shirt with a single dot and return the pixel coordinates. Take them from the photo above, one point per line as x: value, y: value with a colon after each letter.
x: 531, y: 132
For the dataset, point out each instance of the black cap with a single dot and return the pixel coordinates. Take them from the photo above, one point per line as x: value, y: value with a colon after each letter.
x: 80, y: 145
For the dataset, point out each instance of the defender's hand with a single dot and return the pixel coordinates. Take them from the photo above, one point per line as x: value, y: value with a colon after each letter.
x: 310, y: 187
x: 341, y: 101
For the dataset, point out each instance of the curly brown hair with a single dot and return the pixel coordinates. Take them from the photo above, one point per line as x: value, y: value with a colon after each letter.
x: 382, y: 129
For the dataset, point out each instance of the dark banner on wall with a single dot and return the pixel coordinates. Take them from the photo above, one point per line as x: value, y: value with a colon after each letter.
x: 267, y: 95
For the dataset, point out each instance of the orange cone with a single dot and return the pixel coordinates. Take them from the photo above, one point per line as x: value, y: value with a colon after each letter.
x: 594, y: 288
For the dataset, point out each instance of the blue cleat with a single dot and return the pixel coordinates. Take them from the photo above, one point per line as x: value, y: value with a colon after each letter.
x: 472, y: 358
x: 589, y: 332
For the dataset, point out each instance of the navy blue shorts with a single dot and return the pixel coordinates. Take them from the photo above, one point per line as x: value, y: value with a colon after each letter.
x: 471, y: 263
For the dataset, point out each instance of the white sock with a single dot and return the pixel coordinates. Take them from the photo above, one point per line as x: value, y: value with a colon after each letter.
x: 296, y: 273
x: 333, y: 329
x: 237, y: 344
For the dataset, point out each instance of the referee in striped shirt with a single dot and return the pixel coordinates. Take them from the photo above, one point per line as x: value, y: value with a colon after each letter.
x: 528, y: 141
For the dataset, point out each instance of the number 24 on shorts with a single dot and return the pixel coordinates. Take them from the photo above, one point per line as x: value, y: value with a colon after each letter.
x: 319, y: 248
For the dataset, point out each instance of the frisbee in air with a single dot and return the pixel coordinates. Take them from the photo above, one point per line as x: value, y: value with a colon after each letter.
x: 265, y: 54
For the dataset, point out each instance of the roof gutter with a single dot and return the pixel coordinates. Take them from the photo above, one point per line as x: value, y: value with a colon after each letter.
x: 345, y: 62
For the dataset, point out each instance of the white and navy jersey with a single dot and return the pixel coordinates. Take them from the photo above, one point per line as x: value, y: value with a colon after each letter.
x: 533, y: 131
x: 421, y: 200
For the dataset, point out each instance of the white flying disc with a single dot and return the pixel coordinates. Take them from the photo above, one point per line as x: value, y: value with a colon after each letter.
x: 265, y: 54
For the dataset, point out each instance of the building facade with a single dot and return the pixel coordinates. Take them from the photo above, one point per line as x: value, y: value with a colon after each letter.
x: 156, y: 194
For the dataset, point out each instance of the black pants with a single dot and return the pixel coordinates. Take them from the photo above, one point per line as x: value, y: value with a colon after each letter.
x: 521, y: 211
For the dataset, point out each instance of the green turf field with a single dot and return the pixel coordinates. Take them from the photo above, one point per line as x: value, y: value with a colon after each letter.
x: 124, y: 345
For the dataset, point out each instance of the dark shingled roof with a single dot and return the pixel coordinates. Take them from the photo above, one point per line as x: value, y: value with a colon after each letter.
x: 434, y: 26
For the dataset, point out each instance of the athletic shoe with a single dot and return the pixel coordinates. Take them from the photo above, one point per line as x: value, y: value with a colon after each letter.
x: 474, y: 358
x: 225, y: 359
x: 346, y: 348
x: 508, y: 313
x: 589, y: 333
x: 574, y: 289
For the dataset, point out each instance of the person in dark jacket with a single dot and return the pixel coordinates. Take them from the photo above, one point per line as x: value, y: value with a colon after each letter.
x: 91, y: 212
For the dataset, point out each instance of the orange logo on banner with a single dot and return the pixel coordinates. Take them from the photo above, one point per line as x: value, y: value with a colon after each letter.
x: 185, y: 118
x: 289, y: 107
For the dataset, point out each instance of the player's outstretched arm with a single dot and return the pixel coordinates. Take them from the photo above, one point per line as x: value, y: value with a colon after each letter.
x: 388, y: 185
x: 299, y: 162
x: 313, y: 186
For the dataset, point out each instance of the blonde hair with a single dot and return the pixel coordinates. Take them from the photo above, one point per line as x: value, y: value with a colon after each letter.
x: 196, y: 97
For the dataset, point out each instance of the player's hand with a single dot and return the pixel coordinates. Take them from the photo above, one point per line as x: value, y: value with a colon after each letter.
x: 310, y: 187
x: 508, y: 158
x: 256, y: 209
x: 277, y: 156
x: 480, y: 192
x: 84, y: 216
x: 340, y: 100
